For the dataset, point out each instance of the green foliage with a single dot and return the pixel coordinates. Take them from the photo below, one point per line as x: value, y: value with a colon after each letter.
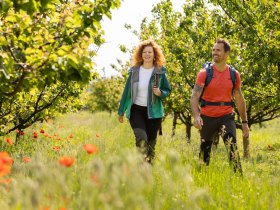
x: 45, y: 59
x: 105, y: 94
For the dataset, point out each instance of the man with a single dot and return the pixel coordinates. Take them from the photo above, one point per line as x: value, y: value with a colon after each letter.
x: 216, y: 113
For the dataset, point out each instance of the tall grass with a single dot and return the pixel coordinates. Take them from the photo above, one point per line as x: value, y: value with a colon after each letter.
x: 117, y: 178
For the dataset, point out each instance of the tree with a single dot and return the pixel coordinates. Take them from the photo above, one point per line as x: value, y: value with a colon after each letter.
x: 253, y: 29
x: 254, y: 33
x: 45, y: 59
x: 105, y: 94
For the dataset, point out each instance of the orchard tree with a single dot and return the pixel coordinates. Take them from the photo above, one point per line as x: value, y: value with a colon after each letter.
x: 45, y: 58
x: 257, y: 53
x: 252, y: 28
x: 105, y: 94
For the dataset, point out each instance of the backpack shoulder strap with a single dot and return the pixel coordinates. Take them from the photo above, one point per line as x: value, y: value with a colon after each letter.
x: 232, y: 74
x: 209, y: 73
x: 208, y: 78
x: 233, y: 77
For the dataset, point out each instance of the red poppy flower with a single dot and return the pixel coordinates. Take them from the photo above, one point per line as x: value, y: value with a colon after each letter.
x: 66, y: 161
x: 35, y: 134
x: 26, y: 159
x: 5, y: 162
x: 5, y: 181
x: 4, y: 169
x: 5, y: 158
x: 9, y: 141
x: 90, y: 148
x: 56, y: 148
x: 95, y: 179
x: 42, y: 131
x: 71, y: 136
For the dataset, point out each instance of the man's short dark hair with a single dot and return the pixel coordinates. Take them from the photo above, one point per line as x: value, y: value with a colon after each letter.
x: 226, y: 44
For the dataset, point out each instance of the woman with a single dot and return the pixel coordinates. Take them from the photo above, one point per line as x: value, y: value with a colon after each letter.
x: 142, y: 97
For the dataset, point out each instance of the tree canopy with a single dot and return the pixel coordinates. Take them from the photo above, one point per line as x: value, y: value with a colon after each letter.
x: 45, y: 56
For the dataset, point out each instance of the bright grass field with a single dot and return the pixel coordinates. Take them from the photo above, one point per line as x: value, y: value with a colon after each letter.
x: 87, y: 161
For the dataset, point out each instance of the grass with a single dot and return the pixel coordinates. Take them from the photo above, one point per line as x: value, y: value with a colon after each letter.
x: 116, y: 177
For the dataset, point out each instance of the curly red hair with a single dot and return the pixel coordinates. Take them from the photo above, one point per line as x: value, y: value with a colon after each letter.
x: 159, y: 57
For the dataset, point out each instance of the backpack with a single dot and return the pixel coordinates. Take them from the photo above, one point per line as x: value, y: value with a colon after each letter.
x: 209, y: 76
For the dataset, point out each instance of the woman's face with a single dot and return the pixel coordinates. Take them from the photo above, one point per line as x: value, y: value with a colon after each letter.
x: 148, y: 54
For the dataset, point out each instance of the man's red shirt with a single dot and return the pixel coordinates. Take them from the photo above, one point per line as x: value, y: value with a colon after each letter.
x: 218, y: 90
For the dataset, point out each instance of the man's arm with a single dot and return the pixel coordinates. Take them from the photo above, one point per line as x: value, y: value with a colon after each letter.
x: 241, y: 107
x: 196, y: 93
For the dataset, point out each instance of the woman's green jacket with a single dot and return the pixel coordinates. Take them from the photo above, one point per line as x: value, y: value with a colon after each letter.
x: 155, y: 105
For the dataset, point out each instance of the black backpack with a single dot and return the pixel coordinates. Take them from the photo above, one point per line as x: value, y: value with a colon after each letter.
x: 209, y: 76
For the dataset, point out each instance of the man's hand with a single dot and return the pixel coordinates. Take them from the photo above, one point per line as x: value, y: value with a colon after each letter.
x: 198, y: 122
x: 245, y: 129
x: 121, y: 118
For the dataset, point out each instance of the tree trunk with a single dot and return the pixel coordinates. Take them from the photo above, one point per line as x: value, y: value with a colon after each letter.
x: 175, y: 117
x: 188, y: 133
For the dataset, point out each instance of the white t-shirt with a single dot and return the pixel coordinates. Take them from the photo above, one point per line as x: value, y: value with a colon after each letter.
x: 142, y: 92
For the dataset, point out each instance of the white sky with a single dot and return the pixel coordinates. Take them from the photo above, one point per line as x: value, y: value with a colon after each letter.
x: 130, y: 12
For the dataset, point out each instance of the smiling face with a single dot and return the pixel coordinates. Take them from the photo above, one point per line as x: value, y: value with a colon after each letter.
x: 218, y: 53
x: 148, y: 54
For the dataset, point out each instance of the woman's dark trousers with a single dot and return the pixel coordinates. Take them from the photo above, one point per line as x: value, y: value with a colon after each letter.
x: 145, y: 130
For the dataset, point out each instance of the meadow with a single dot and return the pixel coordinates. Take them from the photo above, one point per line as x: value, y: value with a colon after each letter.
x: 89, y: 162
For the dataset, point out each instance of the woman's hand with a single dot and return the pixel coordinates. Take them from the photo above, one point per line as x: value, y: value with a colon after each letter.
x: 156, y: 91
x: 121, y: 118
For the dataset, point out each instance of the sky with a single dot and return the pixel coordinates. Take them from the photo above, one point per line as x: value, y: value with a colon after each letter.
x: 130, y: 12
